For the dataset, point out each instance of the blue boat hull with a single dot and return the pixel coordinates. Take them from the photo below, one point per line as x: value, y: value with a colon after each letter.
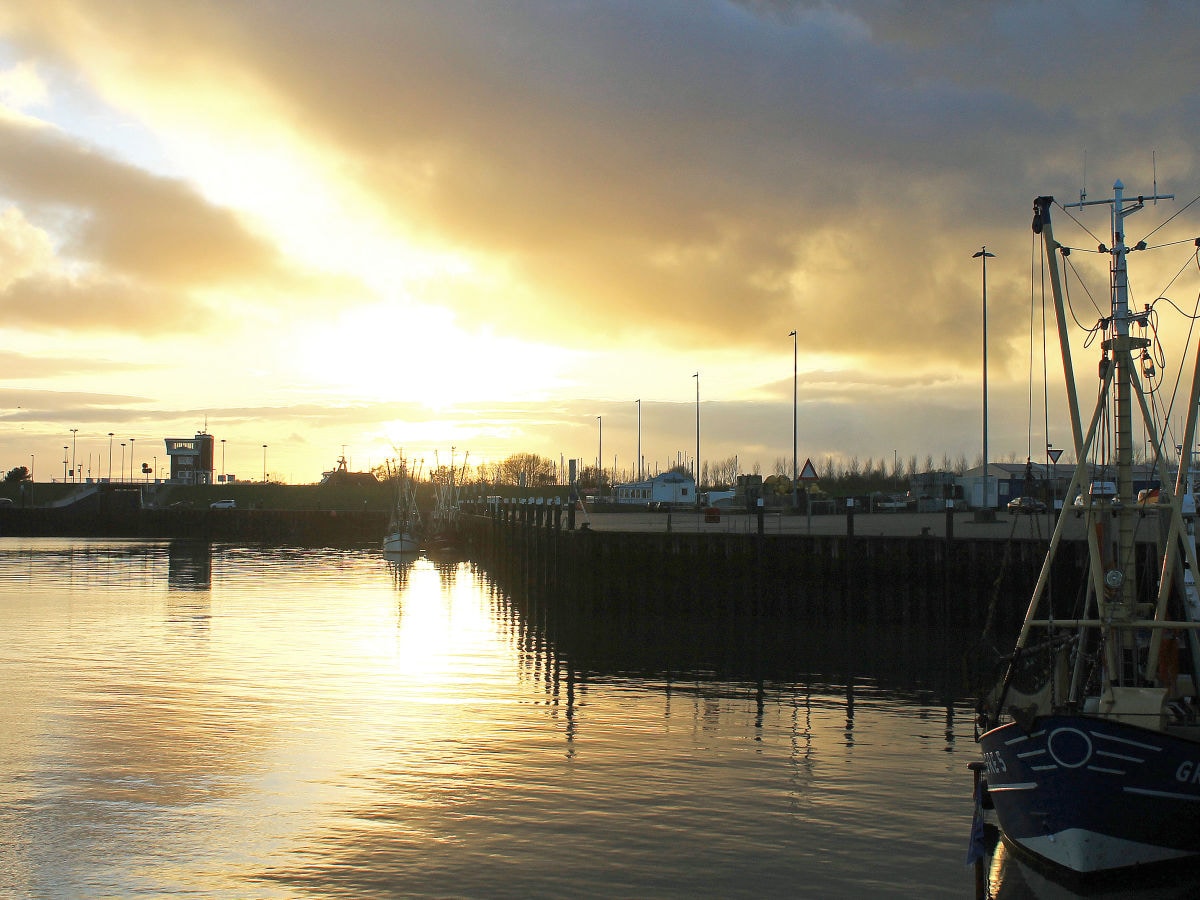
x: 1092, y: 795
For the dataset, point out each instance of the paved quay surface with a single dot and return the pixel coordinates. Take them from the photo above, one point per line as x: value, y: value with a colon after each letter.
x: 890, y: 524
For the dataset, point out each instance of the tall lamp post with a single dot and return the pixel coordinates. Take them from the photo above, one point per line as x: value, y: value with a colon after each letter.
x: 122, y: 460
x: 131, y: 440
x: 65, y: 449
x: 639, y: 459
x: 984, y: 255
x: 74, y: 471
x: 224, y: 477
x: 697, y: 377
x: 265, y: 463
x: 795, y: 409
x: 600, y: 459
x: 110, y: 437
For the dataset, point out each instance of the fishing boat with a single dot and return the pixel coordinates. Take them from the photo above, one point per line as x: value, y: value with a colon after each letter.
x: 443, y: 536
x: 403, y: 534
x: 1091, y: 739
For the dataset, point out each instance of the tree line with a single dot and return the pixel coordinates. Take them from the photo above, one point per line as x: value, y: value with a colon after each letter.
x: 841, y: 477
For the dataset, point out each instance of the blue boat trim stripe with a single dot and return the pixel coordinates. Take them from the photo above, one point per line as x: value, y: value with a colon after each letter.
x: 1024, y: 737
x: 1015, y: 786
x: 1121, y: 740
x: 1170, y: 794
x: 1136, y: 759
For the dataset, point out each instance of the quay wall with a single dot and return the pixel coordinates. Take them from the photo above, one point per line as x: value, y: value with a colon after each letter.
x: 905, y: 581
x: 304, y: 527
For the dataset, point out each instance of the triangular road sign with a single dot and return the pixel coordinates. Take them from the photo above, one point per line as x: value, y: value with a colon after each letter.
x: 808, y: 473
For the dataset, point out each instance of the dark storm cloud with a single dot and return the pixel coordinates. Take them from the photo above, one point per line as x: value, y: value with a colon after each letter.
x: 696, y: 172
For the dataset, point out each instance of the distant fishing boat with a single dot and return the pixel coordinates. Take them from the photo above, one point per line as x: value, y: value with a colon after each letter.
x: 442, y: 534
x: 404, y: 525
x: 1091, y: 740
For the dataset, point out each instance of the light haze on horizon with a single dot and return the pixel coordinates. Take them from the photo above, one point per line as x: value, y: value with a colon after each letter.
x: 363, y: 226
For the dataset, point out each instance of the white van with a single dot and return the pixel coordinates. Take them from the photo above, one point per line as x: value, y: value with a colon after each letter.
x: 1100, y: 492
x: 223, y: 504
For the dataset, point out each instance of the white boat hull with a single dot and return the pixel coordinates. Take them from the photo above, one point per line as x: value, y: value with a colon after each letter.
x: 400, y: 542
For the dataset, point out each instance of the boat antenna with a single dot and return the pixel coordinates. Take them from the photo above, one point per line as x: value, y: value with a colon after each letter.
x: 1154, y: 173
x: 1083, y: 187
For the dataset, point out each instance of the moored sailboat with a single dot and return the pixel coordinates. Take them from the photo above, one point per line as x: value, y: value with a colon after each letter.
x: 1091, y: 740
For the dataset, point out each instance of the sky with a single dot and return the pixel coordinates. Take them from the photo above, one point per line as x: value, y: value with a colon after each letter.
x: 425, y: 228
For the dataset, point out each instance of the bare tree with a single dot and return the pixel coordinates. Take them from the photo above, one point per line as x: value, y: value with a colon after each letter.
x: 830, y: 468
x: 724, y: 472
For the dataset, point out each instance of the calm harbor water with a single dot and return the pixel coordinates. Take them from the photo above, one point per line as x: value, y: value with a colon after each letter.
x: 231, y: 722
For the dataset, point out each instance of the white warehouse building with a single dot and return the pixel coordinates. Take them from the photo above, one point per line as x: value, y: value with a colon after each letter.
x: 675, y: 488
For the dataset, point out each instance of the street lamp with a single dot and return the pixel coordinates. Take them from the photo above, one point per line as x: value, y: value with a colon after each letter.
x: 697, y: 377
x: 984, y: 255
x: 131, y: 440
x: 123, y: 460
x: 110, y: 437
x: 74, y: 470
x: 65, y: 449
x: 264, y: 463
x: 600, y: 460
x: 224, y: 477
x: 31, y: 467
x: 639, y: 459
x: 795, y: 408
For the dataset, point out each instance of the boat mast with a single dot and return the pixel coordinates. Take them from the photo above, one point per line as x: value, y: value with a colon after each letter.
x: 1118, y: 352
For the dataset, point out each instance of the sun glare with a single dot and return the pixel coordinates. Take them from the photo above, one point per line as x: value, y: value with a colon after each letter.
x: 394, y: 352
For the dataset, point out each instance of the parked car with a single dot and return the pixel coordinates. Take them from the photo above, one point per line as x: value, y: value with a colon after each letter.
x: 223, y: 504
x: 1026, y: 505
